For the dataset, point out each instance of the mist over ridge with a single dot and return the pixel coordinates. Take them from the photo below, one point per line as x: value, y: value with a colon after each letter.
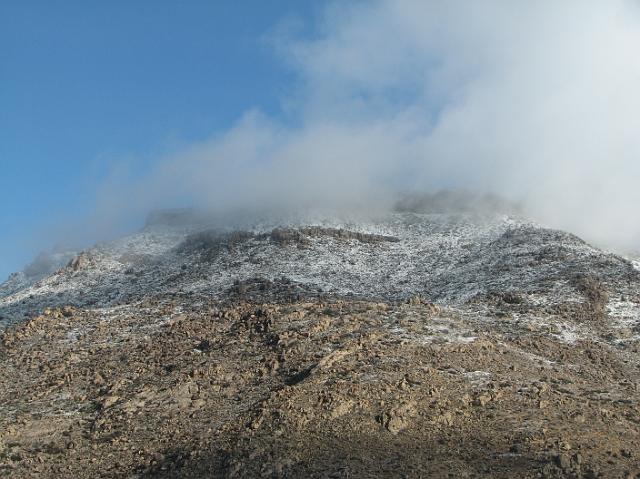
x: 536, y: 102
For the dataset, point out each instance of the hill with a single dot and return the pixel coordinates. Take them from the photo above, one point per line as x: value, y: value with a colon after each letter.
x: 416, y: 343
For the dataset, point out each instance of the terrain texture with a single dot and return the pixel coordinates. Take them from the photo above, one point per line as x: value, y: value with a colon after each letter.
x: 414, y: 344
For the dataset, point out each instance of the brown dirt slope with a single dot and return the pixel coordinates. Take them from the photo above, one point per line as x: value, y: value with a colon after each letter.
x: 310, y: 389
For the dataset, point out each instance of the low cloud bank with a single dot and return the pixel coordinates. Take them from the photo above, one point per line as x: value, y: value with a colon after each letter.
x: 535, y: 101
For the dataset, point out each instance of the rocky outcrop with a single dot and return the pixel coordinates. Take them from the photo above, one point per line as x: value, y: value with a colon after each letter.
x: 176, y: 217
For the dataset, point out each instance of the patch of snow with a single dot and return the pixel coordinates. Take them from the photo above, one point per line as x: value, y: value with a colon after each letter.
x: 478, y: 378
x: 623, y: 312
x: 568, y: 333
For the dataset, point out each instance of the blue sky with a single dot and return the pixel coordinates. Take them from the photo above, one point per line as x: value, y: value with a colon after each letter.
x: 84, y: 84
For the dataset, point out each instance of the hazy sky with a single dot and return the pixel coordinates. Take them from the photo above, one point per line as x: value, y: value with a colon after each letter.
x: 109, y: 112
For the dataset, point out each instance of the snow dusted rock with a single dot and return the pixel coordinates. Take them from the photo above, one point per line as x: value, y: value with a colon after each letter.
x: 42, y: 266
x: 452, y: 259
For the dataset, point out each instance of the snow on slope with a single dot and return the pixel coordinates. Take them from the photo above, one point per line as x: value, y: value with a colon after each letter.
x: 451, y: 259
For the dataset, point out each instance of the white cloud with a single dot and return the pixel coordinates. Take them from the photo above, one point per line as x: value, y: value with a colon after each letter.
x: 536, y: 100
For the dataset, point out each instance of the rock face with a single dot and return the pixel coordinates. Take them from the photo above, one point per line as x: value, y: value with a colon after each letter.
x: 177, y: 217
x: 447, y: 259
x: 409, y: 345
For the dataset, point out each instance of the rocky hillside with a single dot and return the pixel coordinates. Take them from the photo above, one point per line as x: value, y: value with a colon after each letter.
x: 412, y: 344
